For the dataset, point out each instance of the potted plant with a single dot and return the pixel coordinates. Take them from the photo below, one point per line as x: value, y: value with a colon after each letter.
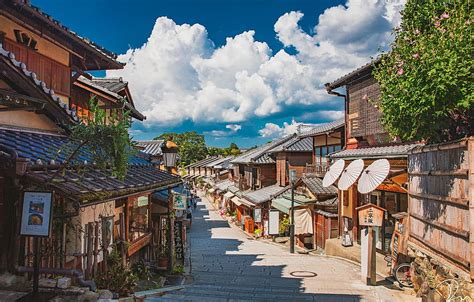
x: 162, y: 257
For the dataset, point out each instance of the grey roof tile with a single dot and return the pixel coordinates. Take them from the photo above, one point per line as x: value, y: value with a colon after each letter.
x: 151, y: 147
x: 393, y: 151
x: 323, y: 128
x: 315, y: 185
x: 260, y: 155
x: 264, y: 194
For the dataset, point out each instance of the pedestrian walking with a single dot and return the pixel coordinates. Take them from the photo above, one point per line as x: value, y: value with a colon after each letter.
x: 189, y: 215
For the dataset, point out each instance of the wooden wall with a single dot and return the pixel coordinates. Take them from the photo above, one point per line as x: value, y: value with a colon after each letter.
x: 441, y: 206
x: 364, y: 115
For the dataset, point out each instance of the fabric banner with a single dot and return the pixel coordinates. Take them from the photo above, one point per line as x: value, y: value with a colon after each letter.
x: 179, y: 201
x: 303, y: 221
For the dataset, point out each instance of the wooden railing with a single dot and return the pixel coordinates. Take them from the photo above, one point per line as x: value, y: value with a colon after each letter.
x: 318, y: 169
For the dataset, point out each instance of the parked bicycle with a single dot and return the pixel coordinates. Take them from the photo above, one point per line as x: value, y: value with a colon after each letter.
x: 401, y: 272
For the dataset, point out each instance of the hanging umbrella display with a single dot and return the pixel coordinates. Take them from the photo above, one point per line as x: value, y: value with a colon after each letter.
x: 333, y: 173
x: 373, y: 176
x: 350, y: 174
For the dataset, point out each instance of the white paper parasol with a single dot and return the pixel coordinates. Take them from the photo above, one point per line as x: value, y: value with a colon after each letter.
x: 333, y: 173
x: 350, y: 174
x: 373, y: 176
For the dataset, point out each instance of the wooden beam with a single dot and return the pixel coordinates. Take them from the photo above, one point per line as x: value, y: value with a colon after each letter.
x: 464, y: 202
x: 417, y: 240
x: 442, y: 226
x: 470, y: 156
x: 458, y: 172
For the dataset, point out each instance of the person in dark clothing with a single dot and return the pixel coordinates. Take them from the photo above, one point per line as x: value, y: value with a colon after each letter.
x: 189, y: 215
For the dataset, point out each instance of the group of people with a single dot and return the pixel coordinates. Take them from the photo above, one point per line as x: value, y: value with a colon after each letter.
x: 192, y: 204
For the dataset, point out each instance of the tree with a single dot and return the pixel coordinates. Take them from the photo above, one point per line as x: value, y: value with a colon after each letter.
x: 426, y: 79
x: 105, y: 137
x: 191, y: 146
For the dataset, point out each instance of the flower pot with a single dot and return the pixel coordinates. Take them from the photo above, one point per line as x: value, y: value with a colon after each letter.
x: 163, y: 262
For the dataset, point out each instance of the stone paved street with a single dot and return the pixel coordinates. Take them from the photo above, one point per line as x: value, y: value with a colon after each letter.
x: 227, y: 265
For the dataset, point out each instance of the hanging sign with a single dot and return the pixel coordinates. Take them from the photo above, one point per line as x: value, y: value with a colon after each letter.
x: 36, y: 213
x: 178, y: 239
x: 257, y: 215
x: 370, y: 215
x: 179, y: 201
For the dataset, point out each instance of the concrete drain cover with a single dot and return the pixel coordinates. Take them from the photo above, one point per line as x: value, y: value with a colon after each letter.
x: 303, y: 274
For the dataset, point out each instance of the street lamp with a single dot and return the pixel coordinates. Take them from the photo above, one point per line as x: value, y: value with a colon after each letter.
x: 170, y: 153
x: 292, y: 225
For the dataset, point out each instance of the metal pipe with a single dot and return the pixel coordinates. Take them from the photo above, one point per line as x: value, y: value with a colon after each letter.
x: 292, y: 225
x: 61, y: 271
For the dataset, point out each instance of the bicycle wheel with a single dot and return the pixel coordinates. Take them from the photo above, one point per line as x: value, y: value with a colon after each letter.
x: 403, y: 275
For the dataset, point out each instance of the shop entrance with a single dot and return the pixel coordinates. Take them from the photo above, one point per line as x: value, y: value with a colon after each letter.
x: 393, y: 202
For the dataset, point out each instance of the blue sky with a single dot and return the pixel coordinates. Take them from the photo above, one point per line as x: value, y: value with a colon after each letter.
x: 243, y: 89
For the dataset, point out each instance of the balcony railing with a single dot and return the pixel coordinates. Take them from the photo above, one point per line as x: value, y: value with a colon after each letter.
x: 318, y: 169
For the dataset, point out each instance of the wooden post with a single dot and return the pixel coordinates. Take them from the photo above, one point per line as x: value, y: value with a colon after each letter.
x: 371, y: 270
x: 470, y: 150
x: 170, y: 231
x: 90, y: 231
x: 36, y: 260
x: 105, y: 242
x: 122, y: 237
x: 96, y: 247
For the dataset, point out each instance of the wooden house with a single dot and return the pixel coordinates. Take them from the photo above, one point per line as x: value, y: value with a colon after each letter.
x: 40, y: 62
x: 366, y: 139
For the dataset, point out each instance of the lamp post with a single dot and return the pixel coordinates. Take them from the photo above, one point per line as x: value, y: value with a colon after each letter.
x: 292, y: 225
x: 170, y: 154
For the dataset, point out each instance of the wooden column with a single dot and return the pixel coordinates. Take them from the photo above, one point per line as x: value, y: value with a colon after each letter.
x: 470, y: 149
x: 170, y: 231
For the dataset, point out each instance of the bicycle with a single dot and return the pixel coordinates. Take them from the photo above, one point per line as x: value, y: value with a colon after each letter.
x: 401, y: 272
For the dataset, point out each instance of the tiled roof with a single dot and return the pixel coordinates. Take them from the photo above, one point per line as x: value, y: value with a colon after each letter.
x: 259, y: 155
x: 10, y: 56
x: 264, y: 194
x: 45, y: 149
x: 323, y: 128
x: 226, y: 164
x: 345, y: 78
x: 73, y: 35
x: 112, y: 84
x: 224, y: 185
x: 296, y: 144
x: 151, y: 147
x: 98, y: 185
x: 315, y: 185
x: 202, y: 162
x: 394, y: 151
x: 219, y: 161
x: 94, y: 83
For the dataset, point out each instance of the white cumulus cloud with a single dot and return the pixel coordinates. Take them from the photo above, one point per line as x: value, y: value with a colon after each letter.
x: 179, y: 74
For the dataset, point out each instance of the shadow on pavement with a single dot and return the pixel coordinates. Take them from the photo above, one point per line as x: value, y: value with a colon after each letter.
x: 221, y: 275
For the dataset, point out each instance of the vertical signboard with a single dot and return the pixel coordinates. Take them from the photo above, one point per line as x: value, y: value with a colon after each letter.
x: 178, y: 239
x: 257, y: 214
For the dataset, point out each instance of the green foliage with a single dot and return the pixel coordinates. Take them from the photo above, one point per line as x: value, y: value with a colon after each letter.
x: 284, y: 224
x: 178, y: 270
x: 141, y: 270
x: 191, y: 146
x: 106, y: 137
x: 426, y: 79
x: 118, y: 278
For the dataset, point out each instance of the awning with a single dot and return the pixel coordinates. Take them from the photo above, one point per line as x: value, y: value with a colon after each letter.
x: 228, y: 195
x: 282, y: 204
x: 303, y: 221
x: 236, y: 200
x: 94, y: 185
x: 240, y: 201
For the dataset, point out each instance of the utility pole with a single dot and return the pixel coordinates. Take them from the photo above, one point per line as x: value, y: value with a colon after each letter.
x: 292, y: 225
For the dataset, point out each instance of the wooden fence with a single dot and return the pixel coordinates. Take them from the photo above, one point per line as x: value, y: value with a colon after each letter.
x: 441, y: 204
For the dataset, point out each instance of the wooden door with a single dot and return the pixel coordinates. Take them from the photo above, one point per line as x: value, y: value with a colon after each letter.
x: 320, y: 230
